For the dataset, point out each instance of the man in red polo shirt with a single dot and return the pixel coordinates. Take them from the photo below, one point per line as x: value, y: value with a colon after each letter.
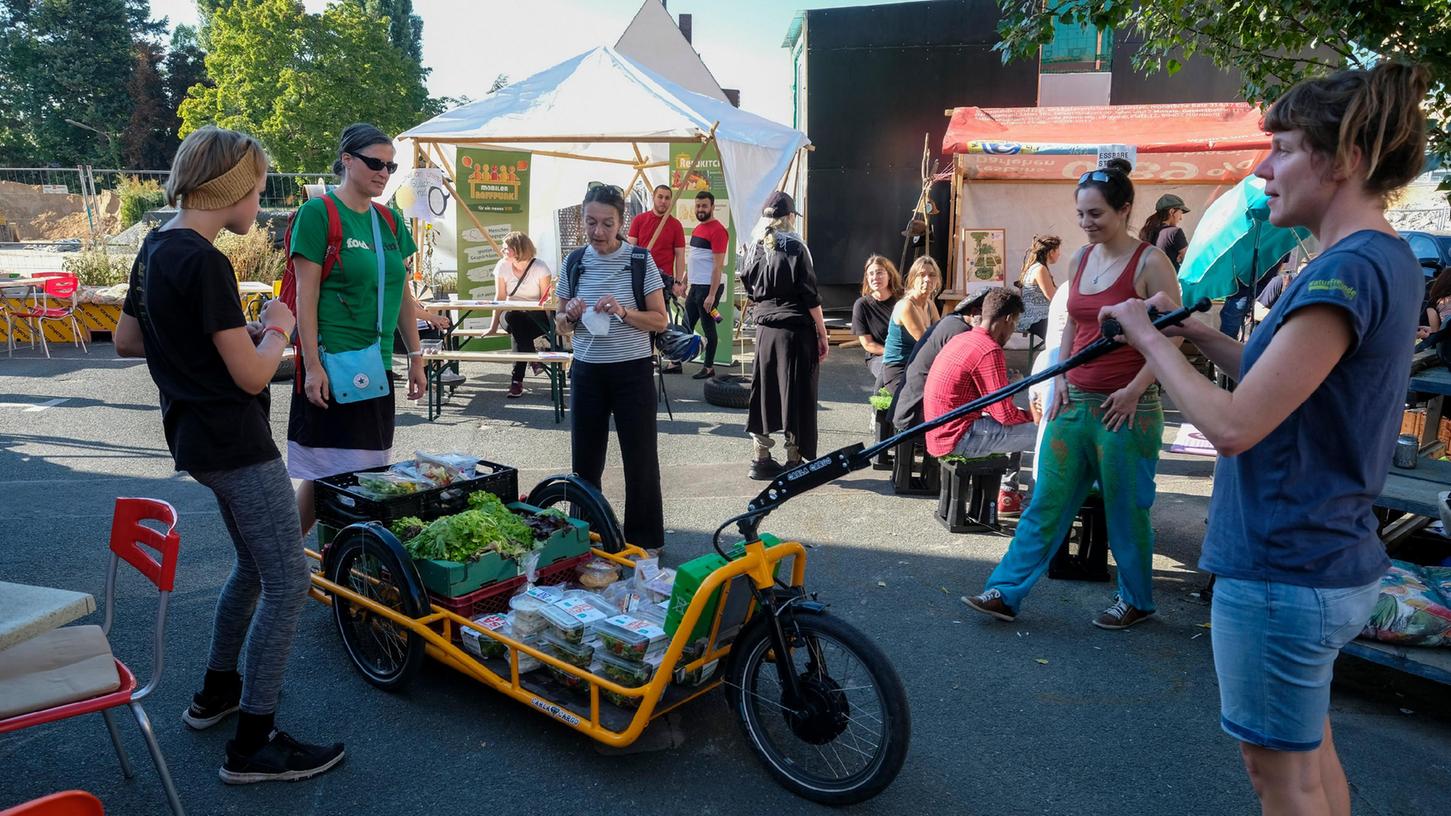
x: 669, y: 247
x: 971, y: 365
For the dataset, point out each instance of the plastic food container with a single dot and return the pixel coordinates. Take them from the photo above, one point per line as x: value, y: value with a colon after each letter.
x: 481, y: 645
x: 527, y: 662
x: 547, y: 594
x: 570, y: 620
x: 575, y: 654
x: 598, y: 573
x: 533, y: 626
x: 631, y: 638
x: 573, y: 682
x: 627, y: 673
x: 528, y: 613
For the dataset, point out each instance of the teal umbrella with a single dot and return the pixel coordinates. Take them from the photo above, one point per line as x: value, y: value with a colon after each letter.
x: 1234, y: 243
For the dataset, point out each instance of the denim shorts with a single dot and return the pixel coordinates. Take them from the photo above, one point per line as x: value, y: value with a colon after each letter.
x: 1274, y: 650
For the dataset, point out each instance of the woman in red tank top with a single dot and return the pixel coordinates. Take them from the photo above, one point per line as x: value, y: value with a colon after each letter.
x: 1105, y: 422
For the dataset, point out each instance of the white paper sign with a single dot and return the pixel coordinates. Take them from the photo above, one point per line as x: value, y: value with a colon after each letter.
x: 430, y: 198
x: 1106, y: 152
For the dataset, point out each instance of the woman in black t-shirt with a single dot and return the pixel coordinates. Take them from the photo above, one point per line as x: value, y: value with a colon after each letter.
x: 790, y: 341
x: 183, y: 314
x: 870, y: 315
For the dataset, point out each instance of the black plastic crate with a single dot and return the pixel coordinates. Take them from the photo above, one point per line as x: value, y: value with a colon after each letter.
x: 338, y: 501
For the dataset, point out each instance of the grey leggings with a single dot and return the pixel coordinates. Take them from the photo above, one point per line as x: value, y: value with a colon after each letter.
x: 260, y: 511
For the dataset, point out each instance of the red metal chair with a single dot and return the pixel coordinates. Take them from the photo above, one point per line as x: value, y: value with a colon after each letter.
x: 59, y: 288
x: 127, y: 535
x: 65, y: 803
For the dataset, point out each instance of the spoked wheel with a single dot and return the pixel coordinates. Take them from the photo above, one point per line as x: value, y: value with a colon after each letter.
x: 582, y: 501
x: 844, y: 740
x: 386, y: 652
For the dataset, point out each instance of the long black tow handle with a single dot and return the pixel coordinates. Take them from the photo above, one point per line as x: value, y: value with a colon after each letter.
x: 839, y: 463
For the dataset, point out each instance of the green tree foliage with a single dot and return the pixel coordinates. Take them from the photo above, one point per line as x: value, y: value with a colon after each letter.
x: 1272, y: 43
x: 66, y: 59
x: 295, y: 80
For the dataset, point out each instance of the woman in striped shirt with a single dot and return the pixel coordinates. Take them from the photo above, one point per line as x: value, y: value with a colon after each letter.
x: 611, y: 375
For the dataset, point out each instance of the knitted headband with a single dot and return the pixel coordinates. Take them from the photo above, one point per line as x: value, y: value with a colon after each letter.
x: 224, y: 190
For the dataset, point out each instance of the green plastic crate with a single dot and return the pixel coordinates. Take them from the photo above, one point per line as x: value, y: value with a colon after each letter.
x: 688, y: 579
x: 452, y: 578
x: 566, y: 543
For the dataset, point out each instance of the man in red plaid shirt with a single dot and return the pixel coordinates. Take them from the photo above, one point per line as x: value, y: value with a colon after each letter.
x: 969, y: 366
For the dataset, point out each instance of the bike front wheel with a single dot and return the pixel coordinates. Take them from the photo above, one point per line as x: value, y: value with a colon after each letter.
x: 844, y: 736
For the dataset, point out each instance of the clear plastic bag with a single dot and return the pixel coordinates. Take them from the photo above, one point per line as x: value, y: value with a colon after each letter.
x: 445, y: 468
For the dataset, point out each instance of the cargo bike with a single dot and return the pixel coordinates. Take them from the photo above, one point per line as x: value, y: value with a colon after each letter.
x: 820, y: 705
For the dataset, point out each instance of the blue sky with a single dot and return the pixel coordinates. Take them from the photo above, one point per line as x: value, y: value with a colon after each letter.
x: 740, y: 40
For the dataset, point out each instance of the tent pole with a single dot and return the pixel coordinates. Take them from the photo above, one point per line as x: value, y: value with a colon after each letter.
x: 459, y: 202
x: 676, y: 188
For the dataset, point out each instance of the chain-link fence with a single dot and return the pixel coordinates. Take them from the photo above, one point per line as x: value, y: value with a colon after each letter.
x: 283, y: 190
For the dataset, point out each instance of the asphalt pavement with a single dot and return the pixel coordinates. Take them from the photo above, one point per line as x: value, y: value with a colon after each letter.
x: 1047, y: 715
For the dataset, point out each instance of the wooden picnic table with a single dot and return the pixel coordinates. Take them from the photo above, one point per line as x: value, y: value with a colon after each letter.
x: 449, y: 358
x: 27, y: 611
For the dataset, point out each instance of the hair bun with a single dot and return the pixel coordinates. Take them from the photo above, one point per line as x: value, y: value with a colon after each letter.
x: 1119, y: 164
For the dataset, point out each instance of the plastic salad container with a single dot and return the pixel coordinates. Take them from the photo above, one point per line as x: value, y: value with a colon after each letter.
x: 481, y: 645
x: 631, y: 638
x: 575, y: 654
x: 527, y: 662
x: 626, y: 673
x: 569, y: 621
x: 528, y: 615
x: 573, y: 682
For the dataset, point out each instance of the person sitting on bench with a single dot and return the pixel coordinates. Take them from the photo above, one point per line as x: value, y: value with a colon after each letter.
x: 970, y: 365
x: 906, y: 408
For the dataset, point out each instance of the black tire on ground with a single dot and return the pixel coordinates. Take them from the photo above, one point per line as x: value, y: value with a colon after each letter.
x: 363, y: 560
x: 836, y: 728
x: 729, y: 391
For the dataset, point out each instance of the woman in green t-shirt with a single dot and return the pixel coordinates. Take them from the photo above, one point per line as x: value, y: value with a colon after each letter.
x: 326, y: 437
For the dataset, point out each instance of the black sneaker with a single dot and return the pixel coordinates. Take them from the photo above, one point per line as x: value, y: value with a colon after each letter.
x: 207, y: 710
x: 764, y: 470
x: 282, y: 759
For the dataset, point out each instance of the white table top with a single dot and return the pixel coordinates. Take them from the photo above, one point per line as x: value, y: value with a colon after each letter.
x: 505, y: 305
x: 254, y: 288
x: 27, y: 611
x: 4, y: 282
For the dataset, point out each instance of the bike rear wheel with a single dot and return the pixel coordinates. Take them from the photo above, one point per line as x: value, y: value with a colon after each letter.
x: 844, y: 740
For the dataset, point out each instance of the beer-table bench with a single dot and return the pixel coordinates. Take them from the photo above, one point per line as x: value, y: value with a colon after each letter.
x: 554, y: 363
x: 435, y: 362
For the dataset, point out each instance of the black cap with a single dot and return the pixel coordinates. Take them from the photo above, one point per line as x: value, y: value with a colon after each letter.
x: 779, y: 205
x: 974, y: 299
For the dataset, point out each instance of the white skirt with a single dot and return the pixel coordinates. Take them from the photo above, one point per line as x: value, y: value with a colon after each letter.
x: 317, y: 463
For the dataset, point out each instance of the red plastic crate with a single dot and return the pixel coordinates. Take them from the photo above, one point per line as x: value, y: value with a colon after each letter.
x: 494, y: 598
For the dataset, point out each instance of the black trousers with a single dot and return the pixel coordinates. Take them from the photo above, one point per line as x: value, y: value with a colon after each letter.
x: 625, y: 391
x: 523, y: 327
x: 695, y: 310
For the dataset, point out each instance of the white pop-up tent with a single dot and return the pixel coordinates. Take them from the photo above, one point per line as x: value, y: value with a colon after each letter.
x: 601, y: 117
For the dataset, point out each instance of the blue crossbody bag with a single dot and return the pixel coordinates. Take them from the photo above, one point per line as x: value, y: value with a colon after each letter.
x: 359, y: 375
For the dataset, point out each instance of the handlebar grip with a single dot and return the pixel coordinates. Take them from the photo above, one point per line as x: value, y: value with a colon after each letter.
x: 1111, y: 328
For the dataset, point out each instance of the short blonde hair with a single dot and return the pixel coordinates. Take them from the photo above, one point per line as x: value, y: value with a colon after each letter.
x: 206, y: 154
x: 920, y: 268
x: 520, y: 245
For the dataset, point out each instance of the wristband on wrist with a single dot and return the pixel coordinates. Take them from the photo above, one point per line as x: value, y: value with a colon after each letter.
x: 280, y: 333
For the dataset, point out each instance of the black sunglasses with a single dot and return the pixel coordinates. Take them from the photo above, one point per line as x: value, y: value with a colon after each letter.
x: 1102, y: 176
x: 613, y: 188
x: 374, y: 164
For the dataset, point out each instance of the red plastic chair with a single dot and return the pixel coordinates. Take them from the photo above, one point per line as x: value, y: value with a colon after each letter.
x: 59, y: 287
x: 127, y: 535
x: 65, y: 803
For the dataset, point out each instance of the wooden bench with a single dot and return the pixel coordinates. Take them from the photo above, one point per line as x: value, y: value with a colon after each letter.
x: 554, y: 363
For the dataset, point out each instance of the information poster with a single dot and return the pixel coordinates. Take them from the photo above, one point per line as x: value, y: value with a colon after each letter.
x: 493, y: 190
x: 982, y: 252
x: 708, y: 174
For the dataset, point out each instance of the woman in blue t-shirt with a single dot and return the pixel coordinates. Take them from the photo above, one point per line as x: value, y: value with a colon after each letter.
x: 1292, y: 539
